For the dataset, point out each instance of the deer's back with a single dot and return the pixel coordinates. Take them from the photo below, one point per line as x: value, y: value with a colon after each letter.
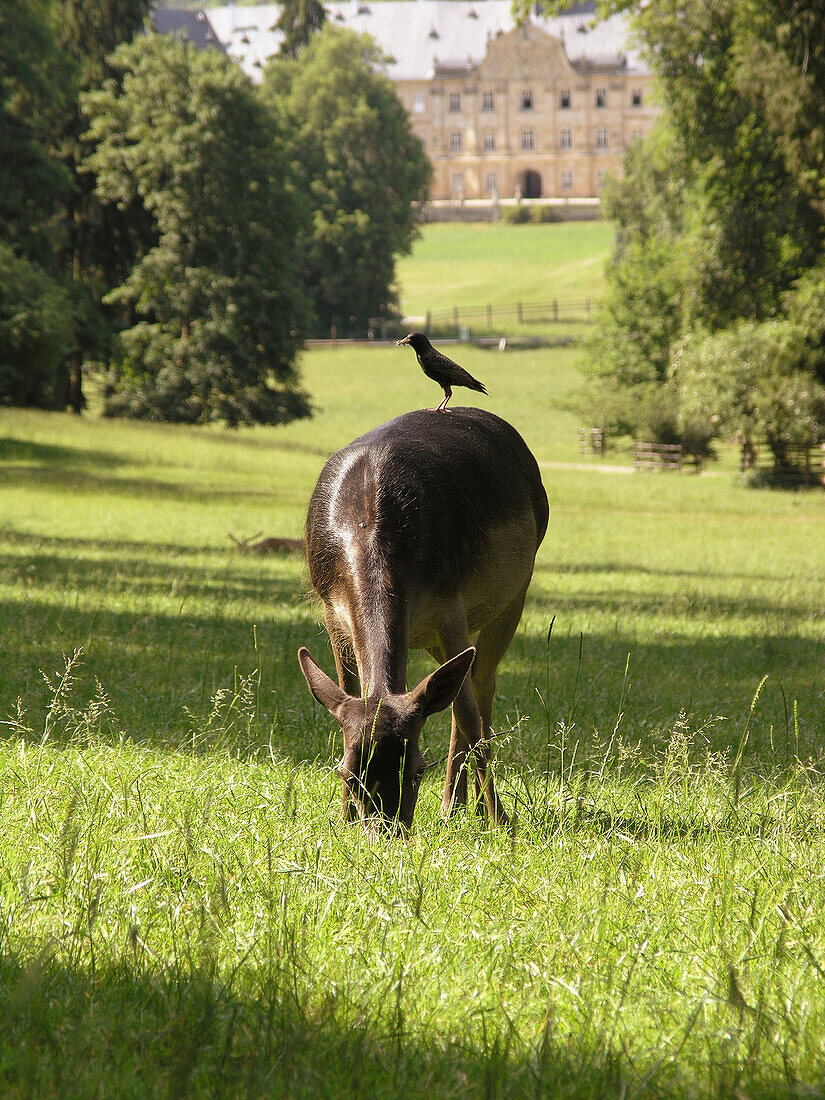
x: 417, y: 498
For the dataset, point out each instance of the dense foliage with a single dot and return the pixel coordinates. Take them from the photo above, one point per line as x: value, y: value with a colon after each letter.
x: 720, y: 213
x: 299, y: 20
x: 165, y: 223
x: 217, y: 314
x: 35, y: 328
x: 357, y: 165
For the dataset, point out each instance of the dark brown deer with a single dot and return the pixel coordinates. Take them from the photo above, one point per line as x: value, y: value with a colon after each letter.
x: 420, y: 534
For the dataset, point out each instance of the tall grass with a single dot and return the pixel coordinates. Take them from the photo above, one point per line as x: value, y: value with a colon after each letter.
x: 182, y: 911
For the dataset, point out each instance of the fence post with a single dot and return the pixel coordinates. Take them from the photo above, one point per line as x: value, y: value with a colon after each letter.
x: 455, y: 316
x: 489, y: 316
x: 555, y: 309
x: 333, y: 333
x: 428, y: 321
x: 587, y: 308
x: 520, y: 315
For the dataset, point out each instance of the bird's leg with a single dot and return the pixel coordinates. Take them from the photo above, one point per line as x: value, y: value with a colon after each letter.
x: 448, y: 393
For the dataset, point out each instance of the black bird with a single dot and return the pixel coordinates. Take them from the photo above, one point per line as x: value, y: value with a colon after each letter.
x: 438, y: 367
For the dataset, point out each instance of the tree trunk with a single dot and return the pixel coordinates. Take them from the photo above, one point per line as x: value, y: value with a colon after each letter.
x: 76, y: 398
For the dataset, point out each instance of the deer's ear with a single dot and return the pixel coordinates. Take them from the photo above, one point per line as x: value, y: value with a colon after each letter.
x: 437, y: 691
x: 323, y: 687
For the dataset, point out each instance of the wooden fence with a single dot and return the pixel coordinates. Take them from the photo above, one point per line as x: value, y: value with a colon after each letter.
x: 552, y: 311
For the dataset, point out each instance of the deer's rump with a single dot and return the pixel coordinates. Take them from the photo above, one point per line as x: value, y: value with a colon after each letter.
x: 426, y: 490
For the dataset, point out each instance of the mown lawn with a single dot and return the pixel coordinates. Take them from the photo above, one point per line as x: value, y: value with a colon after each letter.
x: 181, y: 910
x: 472, y: 266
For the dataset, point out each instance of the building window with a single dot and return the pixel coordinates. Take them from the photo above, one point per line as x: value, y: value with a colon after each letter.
x: 566, y: 139
x: 564, y: 99
x: 566, y: 179
x: 601, y: 138
x: 491, y: 183
x: 489, y: 140
x: 601, y: 97
x: 636, y: 97
x: 636, y: 135
x: 527, y: 100
x: 488, y: 102
x: 458, y: 184
x: 454, y: 103
x: 527, y: 139
x: 601, y: 178
x: 418, y: 103
x: 455, y: 141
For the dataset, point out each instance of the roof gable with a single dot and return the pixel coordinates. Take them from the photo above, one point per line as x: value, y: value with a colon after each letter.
x: 528, y: 51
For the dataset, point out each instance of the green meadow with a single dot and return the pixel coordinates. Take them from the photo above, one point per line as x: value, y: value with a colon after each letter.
x: 470, y: 267
x: 182, y: 912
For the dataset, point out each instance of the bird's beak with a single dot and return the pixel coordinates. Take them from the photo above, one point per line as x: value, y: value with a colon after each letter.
x: 406, y: 340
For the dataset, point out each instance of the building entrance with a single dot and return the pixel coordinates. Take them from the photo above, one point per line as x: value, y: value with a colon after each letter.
x: 530, y: 184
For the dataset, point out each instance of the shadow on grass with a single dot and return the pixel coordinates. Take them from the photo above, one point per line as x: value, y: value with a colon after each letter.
x: 165, y: 627
x: 52, y: 454
x: 132, y: 1031
x: 71, y: 481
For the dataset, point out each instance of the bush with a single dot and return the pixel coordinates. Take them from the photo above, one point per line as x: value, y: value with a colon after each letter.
x: 36, y: 335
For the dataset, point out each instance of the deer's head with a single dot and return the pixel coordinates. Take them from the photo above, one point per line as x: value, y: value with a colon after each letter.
x: 382, y: 763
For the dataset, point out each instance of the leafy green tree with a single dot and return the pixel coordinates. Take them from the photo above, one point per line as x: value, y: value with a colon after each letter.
x: 35, y: 318
x: 100, y: 242
x: 357, y: 166
x: 32, y: 184
x: 299, y: 20
x: 36, y: 330
x: 716, y: 222
x: 218, y: 314
x: 761, y: 379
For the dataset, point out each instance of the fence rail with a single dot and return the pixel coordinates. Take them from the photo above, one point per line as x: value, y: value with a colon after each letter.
x: 551, y: 311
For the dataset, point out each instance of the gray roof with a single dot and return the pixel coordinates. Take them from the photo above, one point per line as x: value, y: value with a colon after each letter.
x: 192, y: 25
x: 420, y: 35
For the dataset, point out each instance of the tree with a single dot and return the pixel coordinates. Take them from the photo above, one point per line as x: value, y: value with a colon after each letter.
x: 35, y: 318
x: 743, y: 223
x: 299, y: 20
x: 32, y: 184
x: 358, y: 167
x: 36, y: 331
x: 218, y: 316
x: 99, y: 242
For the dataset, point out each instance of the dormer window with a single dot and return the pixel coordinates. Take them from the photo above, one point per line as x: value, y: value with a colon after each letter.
x: 601, y: 97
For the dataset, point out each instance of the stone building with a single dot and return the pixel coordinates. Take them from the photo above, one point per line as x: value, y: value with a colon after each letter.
x: 539, y: 110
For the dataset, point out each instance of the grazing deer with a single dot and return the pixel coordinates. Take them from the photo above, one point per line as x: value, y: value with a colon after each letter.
x: 420, y: 534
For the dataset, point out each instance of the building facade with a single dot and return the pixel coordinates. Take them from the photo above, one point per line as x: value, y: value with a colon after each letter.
x: 541, y: 110
x: 526, y: 122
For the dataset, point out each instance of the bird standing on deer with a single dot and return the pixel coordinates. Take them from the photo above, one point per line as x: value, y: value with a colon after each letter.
x: 440, y: 368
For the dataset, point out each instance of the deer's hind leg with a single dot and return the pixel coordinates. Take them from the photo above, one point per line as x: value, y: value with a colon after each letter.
x: 493, y: 642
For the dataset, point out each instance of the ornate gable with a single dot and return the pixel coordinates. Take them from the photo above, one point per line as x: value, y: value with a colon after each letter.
x: 528, y: 51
